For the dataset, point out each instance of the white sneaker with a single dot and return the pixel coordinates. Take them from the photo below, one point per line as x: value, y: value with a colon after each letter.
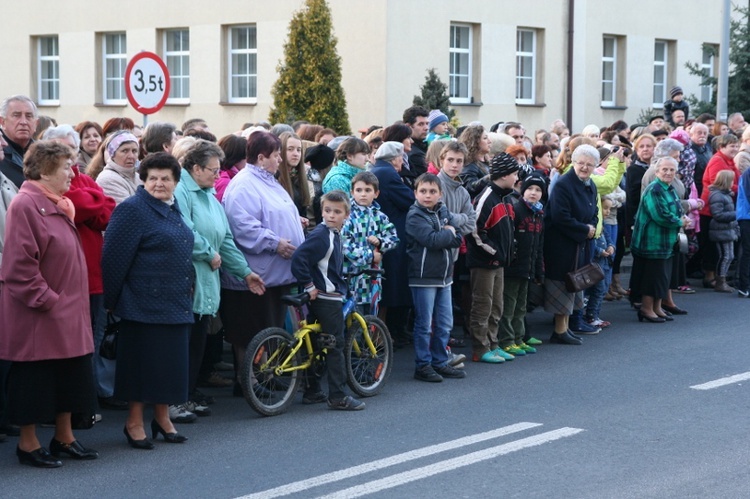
x: 196, y: 408
x: 454, y: 359
x: 178, y: 414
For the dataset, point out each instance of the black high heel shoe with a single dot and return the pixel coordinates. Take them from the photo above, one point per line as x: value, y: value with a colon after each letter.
x: 673, y: 310
x: 137, y: 444
x: 172, y: 438
x: 657, y: 319
x: 74, y: 450
x: 667, y: 316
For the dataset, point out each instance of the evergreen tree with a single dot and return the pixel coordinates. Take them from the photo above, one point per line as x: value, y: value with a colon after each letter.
x: 739, y: 74
x: 434, y: 94
x: 309, y: 84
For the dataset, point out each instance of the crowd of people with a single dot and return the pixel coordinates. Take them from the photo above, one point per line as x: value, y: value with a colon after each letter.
x: 187, y: 240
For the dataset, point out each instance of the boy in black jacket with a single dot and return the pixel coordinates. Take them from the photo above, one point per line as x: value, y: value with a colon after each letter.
x: 318, y: 265
x: 430, y: 235
x: 490, y: 249
x: 528, y: 263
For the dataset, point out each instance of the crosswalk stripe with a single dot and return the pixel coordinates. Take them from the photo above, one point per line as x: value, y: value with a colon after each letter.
x: 722, y: 381
x: 451, y: 464
x: 336, y: 476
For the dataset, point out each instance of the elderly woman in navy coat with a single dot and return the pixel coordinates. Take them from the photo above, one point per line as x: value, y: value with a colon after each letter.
x: 148, y: 280
x: 395, y: 199
x: 570, y: 223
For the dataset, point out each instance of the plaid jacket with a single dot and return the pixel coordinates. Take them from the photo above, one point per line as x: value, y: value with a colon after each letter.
x: 657, y: 222
x: 365, y: 221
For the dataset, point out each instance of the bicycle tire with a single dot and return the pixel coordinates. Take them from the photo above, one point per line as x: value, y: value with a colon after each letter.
x: 367, y: 372
x: 267, y: 392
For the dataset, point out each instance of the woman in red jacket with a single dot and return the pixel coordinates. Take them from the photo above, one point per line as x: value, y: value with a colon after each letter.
x: 728, y: 146
x: 44, y: 330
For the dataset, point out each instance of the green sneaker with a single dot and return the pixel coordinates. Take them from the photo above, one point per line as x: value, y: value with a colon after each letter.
x: 527, y: 348
x: 514, y: 350
x: 489, y: 358
x: 534, y: 342
x: 504, y: 355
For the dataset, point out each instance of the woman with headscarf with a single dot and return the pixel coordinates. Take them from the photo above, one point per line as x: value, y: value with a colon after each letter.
x: 119, y: 178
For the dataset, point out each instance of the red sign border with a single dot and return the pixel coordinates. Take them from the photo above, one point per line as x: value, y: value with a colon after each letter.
x: 131, y: 99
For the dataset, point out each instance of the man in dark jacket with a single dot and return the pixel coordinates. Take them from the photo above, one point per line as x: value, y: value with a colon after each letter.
x: 18, y: 116
x: 417, y: 118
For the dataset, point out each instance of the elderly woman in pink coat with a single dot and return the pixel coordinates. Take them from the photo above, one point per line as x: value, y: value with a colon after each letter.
x: 45, y: 328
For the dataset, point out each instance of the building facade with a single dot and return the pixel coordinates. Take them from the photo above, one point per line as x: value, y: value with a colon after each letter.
x: 584, y: 61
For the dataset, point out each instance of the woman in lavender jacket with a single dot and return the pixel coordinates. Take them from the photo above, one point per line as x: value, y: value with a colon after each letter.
x: 267, y: 229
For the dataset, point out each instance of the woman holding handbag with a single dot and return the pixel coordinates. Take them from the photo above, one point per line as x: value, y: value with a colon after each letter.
x: 657, y: 224
x: 570, y: 224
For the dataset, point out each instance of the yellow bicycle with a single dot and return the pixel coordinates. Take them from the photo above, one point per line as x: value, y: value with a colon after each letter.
x: 275, y: 360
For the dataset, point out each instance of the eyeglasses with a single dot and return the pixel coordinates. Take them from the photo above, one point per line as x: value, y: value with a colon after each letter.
x: 586, y: 165
x: 214, y: 171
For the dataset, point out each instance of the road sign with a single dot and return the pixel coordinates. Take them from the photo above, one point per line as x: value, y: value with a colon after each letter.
x: 147, y: 82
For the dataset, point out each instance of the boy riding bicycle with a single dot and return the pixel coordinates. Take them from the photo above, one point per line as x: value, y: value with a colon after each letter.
x: 318, y: 264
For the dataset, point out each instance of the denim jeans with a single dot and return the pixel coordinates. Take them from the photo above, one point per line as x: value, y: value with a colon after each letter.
x: 104, y: 369
x: 432, y: 306
x: 596, y: 292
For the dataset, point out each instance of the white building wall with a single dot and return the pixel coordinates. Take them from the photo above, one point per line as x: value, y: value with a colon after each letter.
x: 386, y: 47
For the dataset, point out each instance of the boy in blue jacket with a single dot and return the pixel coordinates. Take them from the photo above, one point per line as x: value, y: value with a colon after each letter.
x: 430, y: 236
x: 318, y: 265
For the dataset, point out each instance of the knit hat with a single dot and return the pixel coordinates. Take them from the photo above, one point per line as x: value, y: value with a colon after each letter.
x: 675, y: 91
x: 680, y: 136
x: 535, y: 179
x: 389, y: 151
x: 436, y: 117
x: 503, y: 164
x: 119, y: 139
x: 320, y: 157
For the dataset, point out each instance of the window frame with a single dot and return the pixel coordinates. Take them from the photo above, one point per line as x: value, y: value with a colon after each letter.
x: 55, y: 61
x: 613, y: 61
x: 665, y: 66
x: 454, y: 77
x: 249, y: 51
x: 710, y: 68
x: 119, y: 56
x: 177, y: 81
x: 521, y: 55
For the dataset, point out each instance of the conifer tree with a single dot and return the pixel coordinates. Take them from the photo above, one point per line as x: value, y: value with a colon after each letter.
x: 434, y: 94
x: 309, y: 84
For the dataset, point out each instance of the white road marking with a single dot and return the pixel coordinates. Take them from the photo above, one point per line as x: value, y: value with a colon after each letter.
x: 336, y: 476
x: 722, y: 381
x: 450, y: 464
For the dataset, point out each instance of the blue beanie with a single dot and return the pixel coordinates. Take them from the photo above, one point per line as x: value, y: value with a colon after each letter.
x: 436, y: 117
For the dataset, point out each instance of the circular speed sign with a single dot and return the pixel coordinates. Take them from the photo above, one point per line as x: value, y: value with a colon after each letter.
x: 147, y: 82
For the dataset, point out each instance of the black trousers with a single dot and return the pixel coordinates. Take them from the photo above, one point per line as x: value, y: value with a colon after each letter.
x: 196, y: 347
x: 331, y: 317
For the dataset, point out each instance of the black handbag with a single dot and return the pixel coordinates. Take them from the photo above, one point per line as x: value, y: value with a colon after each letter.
x: 108, y: 347
x: 583, y: 277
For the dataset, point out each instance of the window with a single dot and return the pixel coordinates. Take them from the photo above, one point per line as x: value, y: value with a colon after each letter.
x: 243, y: 64
x: 48, y: 70
x: 660, y: 73
x: 526, y: 66
x: 707, y: 65
x: 177, y: 58
x: 114, y: 50
x: 609, y: 71
x: 460, y: 64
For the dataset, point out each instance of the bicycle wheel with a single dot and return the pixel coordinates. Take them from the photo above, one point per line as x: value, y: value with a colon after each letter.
x: 267, y: 390
x: 368, y: 367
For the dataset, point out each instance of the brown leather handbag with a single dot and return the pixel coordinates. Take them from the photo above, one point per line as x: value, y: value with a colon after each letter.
x: 583, y: 277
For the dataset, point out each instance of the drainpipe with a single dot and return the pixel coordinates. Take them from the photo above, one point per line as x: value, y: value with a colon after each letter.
x: 569, y: 87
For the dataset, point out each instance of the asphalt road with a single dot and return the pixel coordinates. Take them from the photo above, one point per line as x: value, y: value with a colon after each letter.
x: 615, y: 417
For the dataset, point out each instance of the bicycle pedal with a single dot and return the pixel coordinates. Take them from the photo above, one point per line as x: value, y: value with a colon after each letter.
x: 325, y: 340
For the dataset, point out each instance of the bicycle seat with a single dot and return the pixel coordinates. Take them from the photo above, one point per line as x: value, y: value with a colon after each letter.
x: 296, y: 300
